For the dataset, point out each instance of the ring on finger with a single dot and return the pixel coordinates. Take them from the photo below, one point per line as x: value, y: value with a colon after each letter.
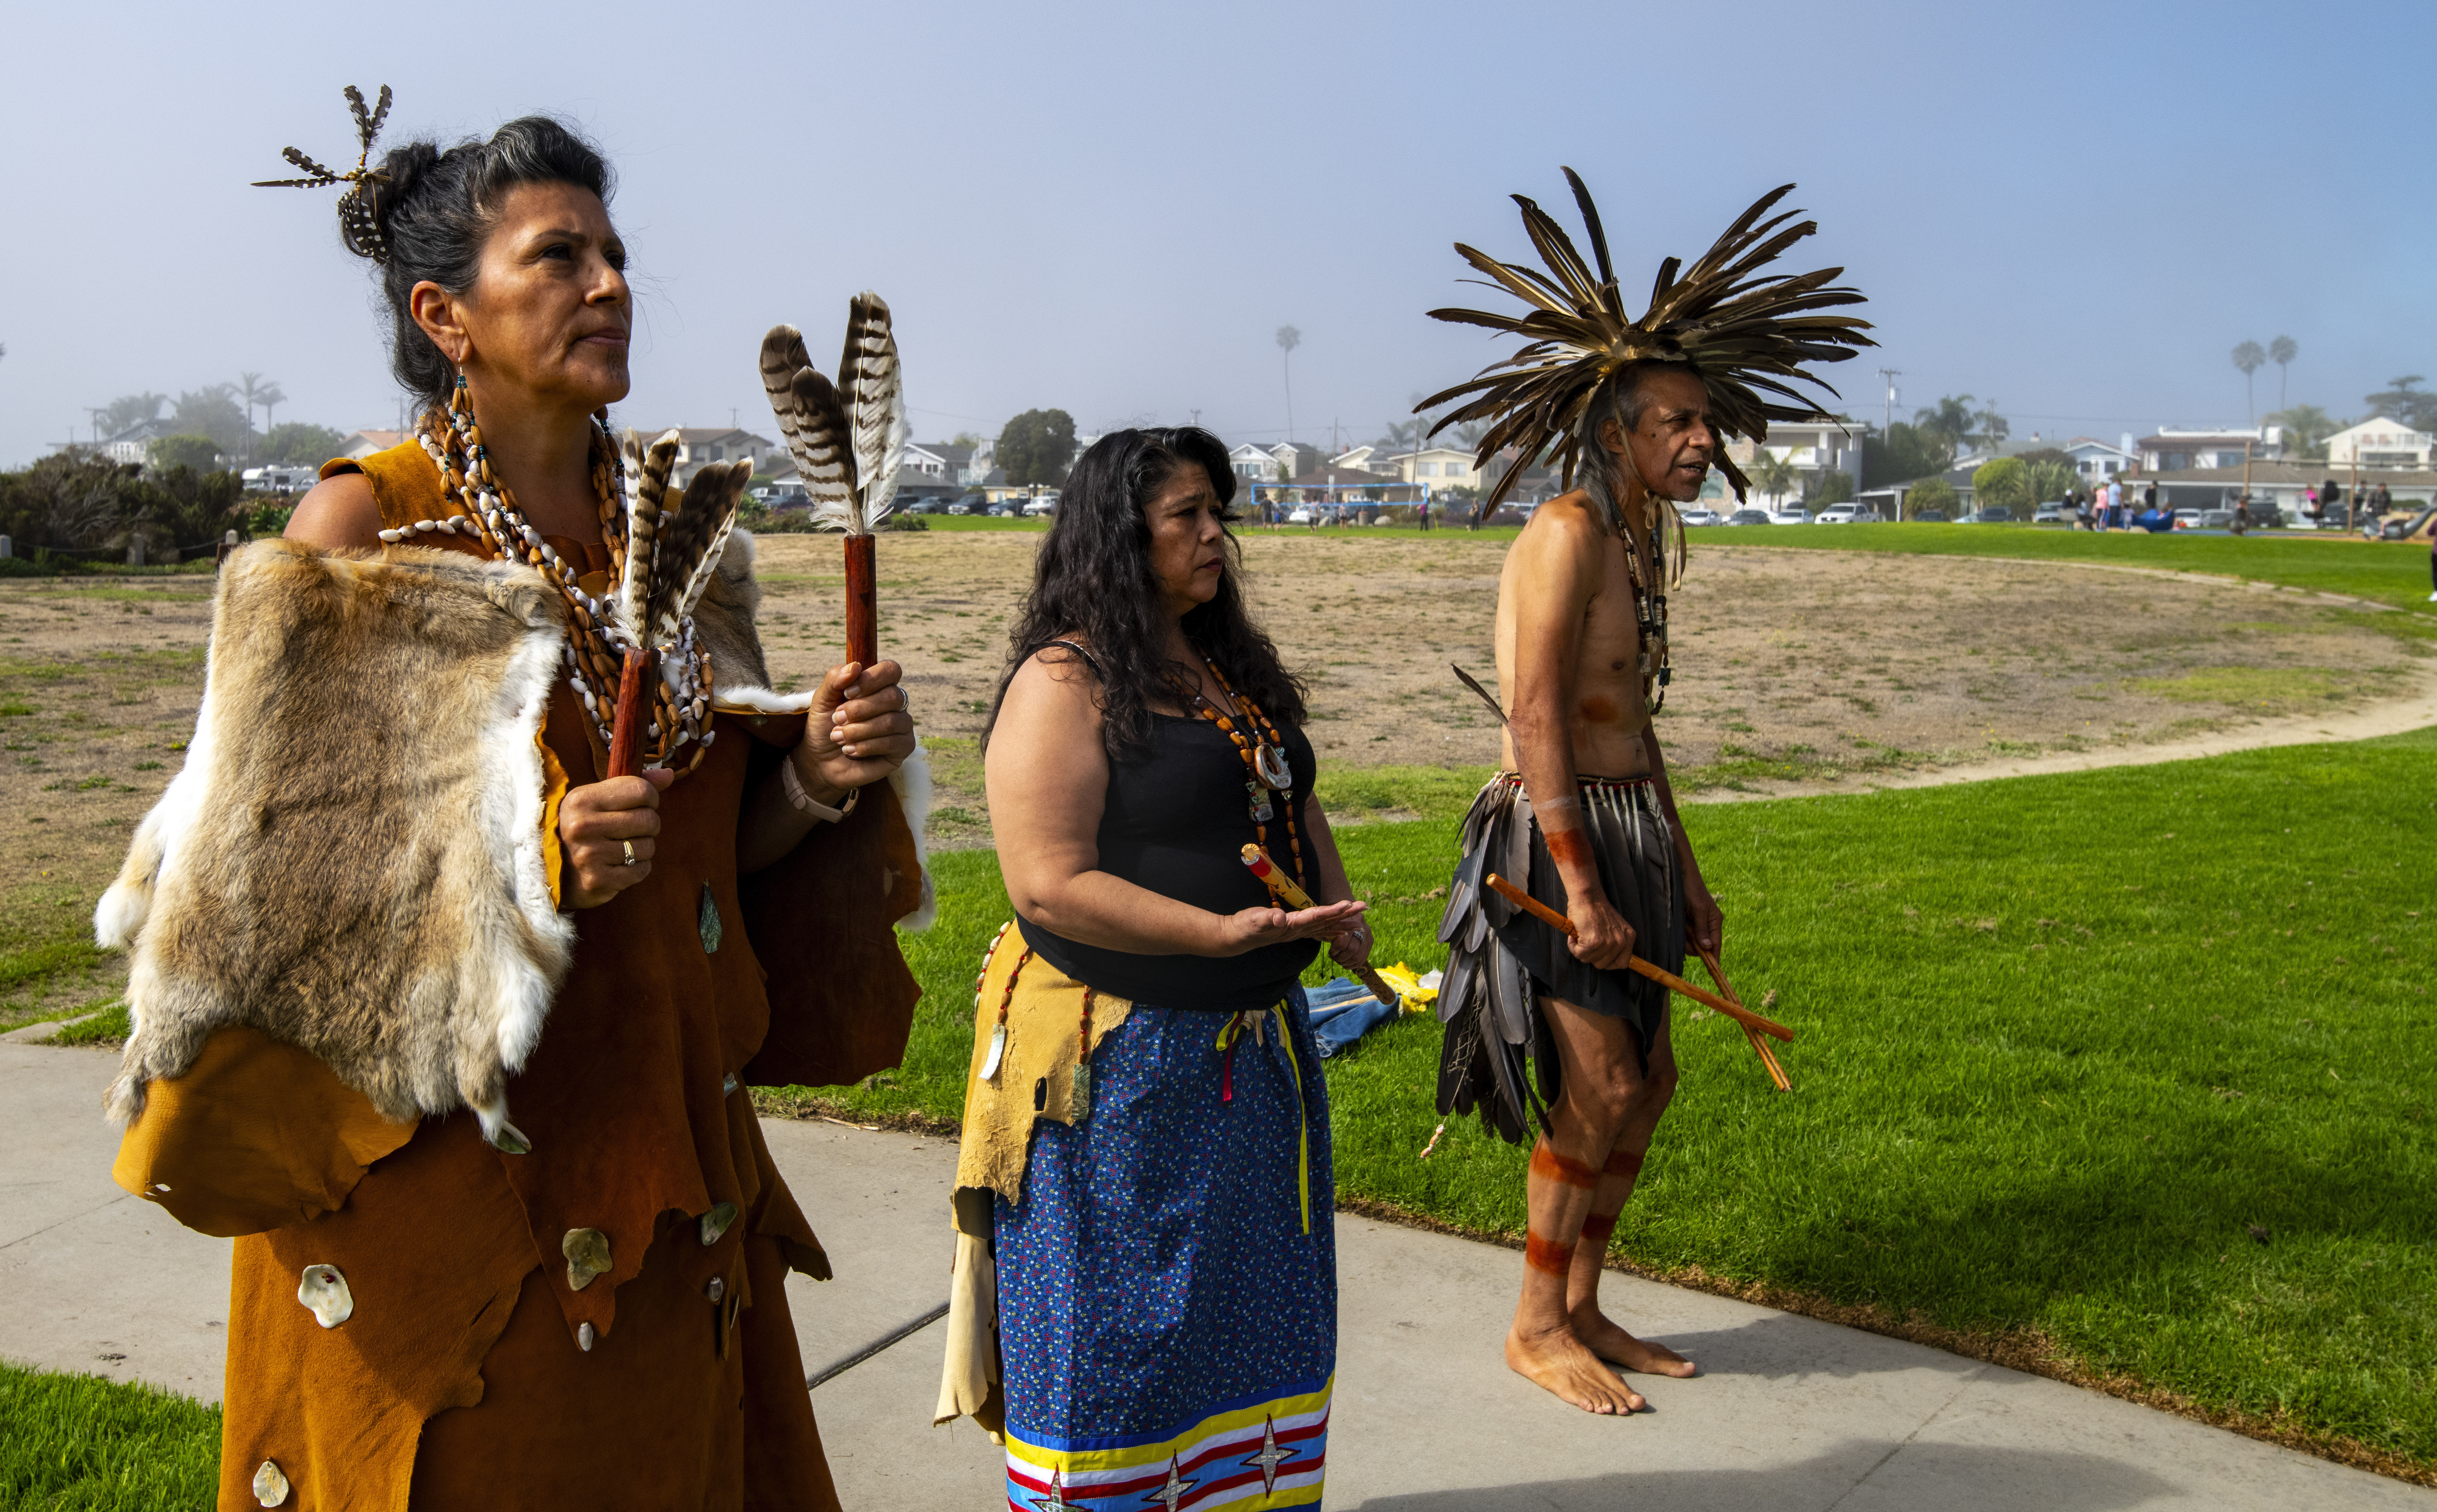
x: 629, y: 848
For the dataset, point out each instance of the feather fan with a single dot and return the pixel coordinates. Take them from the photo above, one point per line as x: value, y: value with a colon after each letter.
x: 1746, y: 335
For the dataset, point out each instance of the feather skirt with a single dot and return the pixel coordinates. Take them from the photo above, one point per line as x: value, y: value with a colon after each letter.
x: 1498, y: 1055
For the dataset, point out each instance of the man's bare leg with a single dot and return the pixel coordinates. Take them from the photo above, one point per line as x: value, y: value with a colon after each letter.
x: 1603, y: 1089
x: 1617, y: 1177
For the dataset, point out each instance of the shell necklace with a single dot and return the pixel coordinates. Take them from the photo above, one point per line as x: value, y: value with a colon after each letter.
x: 594, y: 647
x: 1266, y: 767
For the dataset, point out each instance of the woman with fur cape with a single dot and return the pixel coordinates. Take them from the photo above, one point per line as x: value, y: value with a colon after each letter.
x: 448, y: 1027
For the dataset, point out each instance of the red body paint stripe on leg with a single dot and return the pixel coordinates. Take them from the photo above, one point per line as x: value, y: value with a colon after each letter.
x: 1600, y: 1227
x: 1624, y: 1162
x: 1547, y: 1162
x: 1541, y: 1254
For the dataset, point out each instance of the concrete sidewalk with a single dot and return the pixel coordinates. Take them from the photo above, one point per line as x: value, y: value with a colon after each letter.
x: 1788, y: 1413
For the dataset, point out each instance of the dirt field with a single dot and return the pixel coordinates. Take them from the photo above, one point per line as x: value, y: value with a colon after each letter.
x: 1795, y: 671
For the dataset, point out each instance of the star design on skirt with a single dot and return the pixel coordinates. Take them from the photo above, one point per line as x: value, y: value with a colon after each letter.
x: 1171, y: 1496
x: 1270, y: 1456
x: 1056, y: 1500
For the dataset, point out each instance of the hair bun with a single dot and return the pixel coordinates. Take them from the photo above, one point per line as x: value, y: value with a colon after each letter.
x: 365, y: 216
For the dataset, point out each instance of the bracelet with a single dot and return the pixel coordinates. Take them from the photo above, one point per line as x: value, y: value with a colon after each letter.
x: 804, y: 801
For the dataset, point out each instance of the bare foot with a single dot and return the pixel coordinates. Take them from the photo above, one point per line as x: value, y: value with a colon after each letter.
x: 1556, y: 1361
x: 1612, y: 1344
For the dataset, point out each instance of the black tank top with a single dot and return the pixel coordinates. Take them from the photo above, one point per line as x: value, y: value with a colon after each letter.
x: 1176, y: 824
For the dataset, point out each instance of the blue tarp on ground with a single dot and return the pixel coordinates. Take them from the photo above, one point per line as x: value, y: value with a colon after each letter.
x: 1343, y: 1012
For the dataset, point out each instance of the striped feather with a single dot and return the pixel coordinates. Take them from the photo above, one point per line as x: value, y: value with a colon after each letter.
x: 825, y: 455
x: 648, y: 468
x: 871, y: 390
x: 782, y: 357
x: 692, y: 535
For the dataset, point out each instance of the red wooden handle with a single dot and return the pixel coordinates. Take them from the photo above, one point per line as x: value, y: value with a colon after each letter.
x: 634, y: 709
x: 862, y: 603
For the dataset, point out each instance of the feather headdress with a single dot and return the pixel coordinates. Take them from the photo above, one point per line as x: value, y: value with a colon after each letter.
x: 355, y: 215
x: 849, y: 439
x: 1744, y: 334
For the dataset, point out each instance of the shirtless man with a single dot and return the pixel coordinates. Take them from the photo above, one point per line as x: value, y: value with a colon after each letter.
x: 1544, y: 1026
x: 1571, y: 658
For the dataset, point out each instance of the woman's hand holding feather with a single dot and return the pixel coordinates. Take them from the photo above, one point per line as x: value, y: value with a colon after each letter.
x: 596, y: 824
x: 858, y: 732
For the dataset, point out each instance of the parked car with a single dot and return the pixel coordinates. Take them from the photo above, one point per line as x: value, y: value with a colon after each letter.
x: 1929, y: 517
x: 1987, y: 516
x: 2186, y: 519
x: 2055, y: 512
x: 1749, y: 517
x: 1838, y: 515
x: 2215, y: 519
x: 782, y: 496
x: 969, y: 505
x: 1046, y: 504
x: 1005, y: 508
x: 1793, y: 515
x: 1703, y: 516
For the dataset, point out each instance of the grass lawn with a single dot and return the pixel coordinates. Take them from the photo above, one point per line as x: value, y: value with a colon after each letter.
x: 81, y: 1444
x: 2134, y: 1066
x: 2393, y: 572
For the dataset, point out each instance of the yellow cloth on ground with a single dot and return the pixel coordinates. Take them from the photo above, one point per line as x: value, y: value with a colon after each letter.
x: 1035, y: 1078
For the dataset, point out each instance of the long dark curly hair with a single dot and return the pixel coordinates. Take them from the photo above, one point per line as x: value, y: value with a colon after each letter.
x: 1092, y: 581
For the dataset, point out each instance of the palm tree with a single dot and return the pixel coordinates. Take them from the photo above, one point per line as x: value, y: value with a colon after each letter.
x: 270, y: 398
x: 2282, y: 351
x: 1771, y: 474
x: 251, y: 386
x: 1288, y: 338
x: 2249, y: 357
x: 1950, y: 421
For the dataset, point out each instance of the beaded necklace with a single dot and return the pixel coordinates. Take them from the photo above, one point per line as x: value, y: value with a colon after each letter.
x: 1266, y: 769
x: 1649, y: 607
x: 595, y: 646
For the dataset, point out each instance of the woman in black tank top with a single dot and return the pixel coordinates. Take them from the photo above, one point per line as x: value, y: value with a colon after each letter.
x: 1170, y: 1257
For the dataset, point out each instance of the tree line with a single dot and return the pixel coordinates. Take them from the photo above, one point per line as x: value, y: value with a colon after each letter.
x: 75, y: 503
x: 213, y: 427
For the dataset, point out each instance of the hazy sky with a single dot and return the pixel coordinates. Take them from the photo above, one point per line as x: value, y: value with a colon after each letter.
x: 2077, y: 209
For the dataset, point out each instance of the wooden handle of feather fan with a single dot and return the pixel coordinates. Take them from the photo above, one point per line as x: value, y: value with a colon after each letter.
x: 1657, y: 974
x: 862, y: 603
x: 634, y: 707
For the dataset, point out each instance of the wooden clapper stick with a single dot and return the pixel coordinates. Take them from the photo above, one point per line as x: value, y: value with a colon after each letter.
x: 1290, y: 895
x: 1753, y: 1025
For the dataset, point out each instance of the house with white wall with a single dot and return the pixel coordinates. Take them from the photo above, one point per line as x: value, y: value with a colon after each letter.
x: 2380, y: 443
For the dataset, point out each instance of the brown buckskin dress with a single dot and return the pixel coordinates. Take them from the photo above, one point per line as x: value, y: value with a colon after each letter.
x: 470, y: 1372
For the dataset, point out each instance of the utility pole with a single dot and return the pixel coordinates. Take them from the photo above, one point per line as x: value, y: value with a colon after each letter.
x: 1890, y: 374
x: 1196, y: 419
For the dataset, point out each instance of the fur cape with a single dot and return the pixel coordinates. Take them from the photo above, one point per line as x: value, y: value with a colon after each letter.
x: 395, y: 921
x: 429, y: 954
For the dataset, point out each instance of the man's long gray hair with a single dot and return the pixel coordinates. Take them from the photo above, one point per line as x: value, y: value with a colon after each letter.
x: 1624, y: 402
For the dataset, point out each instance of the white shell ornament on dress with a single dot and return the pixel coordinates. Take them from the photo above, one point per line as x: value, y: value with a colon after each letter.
x: 323, y: 1290
x: 270, y: 1485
